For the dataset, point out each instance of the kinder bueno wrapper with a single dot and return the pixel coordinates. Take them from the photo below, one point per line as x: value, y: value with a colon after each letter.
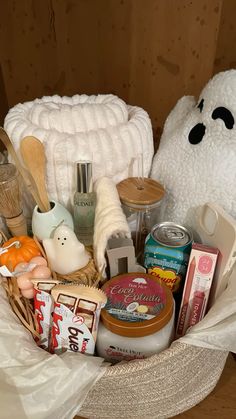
x: 43, y: 307
x: 75, y: 318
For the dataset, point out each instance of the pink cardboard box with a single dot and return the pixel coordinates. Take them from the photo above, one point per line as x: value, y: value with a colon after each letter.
x: 199, y: 277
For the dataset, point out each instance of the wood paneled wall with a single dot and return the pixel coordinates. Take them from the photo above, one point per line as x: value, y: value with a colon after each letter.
x: 148, y: 52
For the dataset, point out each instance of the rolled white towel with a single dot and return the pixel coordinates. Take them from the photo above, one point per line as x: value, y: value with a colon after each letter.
x: 100, y: 128
x: 109, y: 219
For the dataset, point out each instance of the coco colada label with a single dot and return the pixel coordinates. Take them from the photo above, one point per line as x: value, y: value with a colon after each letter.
x: 135, y: 298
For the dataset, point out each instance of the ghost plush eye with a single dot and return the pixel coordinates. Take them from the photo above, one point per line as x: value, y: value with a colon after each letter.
x: 200, y: 105
x: 196, y: 134
x: 225, y: 115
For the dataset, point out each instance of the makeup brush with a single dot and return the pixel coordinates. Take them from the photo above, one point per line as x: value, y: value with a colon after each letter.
x: 10, y: 201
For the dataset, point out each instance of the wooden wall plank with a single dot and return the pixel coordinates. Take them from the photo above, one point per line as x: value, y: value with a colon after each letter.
x: 3, y: 98
x: 226, y: 52
x: 28, y: 49
x: 174, y: 43
x: 150, y: 53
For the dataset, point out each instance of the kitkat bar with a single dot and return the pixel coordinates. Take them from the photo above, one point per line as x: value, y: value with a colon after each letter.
x: 199, y: 277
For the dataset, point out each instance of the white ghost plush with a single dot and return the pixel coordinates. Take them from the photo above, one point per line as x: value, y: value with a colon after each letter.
x: 196, y: 160
x: 64, y: 251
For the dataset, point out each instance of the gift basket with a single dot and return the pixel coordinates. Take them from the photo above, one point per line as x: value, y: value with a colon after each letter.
x: 116, y: 277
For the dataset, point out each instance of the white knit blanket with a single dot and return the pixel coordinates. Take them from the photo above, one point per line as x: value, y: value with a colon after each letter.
x: 100, y: 128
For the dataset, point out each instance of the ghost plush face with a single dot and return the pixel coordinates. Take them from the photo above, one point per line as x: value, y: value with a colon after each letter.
x: 64, y: 251
x: 196, y: 160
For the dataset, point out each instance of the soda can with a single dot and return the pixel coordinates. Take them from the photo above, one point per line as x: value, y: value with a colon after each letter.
x: 166, y: 254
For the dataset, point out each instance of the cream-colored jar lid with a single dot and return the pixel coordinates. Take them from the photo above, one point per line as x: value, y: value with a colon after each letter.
x: 138, y: 304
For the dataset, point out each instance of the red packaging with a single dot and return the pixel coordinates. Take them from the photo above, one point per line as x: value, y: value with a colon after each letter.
x: 199, y: 277
x: 43, y: 307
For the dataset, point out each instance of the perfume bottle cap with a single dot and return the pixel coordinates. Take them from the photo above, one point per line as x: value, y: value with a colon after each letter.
x: 84, y: 176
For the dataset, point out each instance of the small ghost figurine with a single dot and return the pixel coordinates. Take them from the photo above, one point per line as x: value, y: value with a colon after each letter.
x: 64, y: 251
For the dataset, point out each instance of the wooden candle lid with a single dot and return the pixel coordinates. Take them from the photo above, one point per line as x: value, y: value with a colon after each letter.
x: 136, y: 191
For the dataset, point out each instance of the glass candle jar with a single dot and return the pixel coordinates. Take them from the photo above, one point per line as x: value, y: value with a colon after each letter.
x: 138, y: 319
x: 143, y: 204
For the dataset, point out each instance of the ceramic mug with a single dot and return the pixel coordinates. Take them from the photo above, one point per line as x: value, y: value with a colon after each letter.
x: 44, y: 223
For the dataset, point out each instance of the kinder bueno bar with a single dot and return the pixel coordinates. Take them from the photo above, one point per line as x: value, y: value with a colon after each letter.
x: 43, y: 307
x: 198, y: 282
x: 75, y: 318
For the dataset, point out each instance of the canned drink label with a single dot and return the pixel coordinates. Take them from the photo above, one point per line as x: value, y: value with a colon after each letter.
x: 171, y: 279
x: 169, y: 264
x: 174, y: 257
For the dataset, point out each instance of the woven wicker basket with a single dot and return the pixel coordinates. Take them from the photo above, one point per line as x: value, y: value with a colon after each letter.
x: 161, y: 386
x: 23, y: 308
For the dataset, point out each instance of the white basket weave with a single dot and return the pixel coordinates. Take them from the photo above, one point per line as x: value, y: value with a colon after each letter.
x: 161, y: 386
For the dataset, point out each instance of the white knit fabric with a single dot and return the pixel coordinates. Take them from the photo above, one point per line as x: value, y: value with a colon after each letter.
x: 109, y: 219
x: 194, y: 174
x: 99, y: 128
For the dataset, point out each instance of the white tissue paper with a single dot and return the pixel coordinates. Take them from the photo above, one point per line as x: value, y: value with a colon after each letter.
x: 217, y: 330
x: 35, y: 384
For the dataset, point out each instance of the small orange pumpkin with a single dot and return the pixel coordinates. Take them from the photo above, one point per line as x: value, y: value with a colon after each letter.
x: 19, y: 249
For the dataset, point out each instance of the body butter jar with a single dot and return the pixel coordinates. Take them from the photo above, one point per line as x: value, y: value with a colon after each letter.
x: 138, y: 319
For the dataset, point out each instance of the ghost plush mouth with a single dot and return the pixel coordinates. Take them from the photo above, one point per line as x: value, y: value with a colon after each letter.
x: 65, y: 253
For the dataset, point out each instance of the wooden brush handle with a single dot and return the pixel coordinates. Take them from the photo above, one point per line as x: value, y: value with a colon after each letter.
x: 32, y: 146
x: 27, y: 180
x: 17, y: 225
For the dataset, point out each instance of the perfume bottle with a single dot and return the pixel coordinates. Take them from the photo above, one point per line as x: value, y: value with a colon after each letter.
x: 84, y: 203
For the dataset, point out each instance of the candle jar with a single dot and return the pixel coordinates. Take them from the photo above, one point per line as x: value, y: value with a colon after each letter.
x: 143, y: 204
